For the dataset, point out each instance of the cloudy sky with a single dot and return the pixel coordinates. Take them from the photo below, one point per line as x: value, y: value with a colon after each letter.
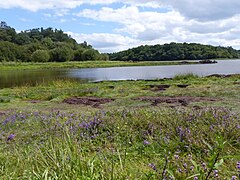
x: 114, y: 25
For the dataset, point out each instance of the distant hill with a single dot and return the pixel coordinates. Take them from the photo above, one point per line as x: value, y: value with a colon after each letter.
x: 42, y: 45
x: 175, y: 51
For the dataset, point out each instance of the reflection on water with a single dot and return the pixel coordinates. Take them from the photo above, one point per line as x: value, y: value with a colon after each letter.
x: 154, y: 72
x: 33, y: 77
x: 29, y: 77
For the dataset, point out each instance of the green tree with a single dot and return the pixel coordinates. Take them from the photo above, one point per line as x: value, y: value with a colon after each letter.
x: 7, y: 34
x: 61, y: 54
x: 9, y: 51
x: 40, y: 56
x: 78, y: 54
x: 90, y: 54
x: 22, y: 39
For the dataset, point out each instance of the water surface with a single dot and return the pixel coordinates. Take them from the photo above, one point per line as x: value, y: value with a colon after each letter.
x: 33, y: 77
x: 155, y: 72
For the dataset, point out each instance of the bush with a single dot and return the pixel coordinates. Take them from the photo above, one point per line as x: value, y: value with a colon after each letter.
x: 40, y: 56
x: 78, y: 54
x: 90, y: 54
x: 61, y: 54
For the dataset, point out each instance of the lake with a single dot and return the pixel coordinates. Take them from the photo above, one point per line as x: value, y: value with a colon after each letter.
x: 33, y: 77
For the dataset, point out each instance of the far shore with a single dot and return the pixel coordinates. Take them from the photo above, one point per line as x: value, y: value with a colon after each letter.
x: 91, y: 64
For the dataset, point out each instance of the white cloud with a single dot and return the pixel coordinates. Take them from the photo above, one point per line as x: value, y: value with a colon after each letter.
x: 213, y: 22
x: 205, y: 10
x: 40, y: 4
x: 70, y: 4
x: 106, y: 42
x: 149, y: 27
x: 136, y: 23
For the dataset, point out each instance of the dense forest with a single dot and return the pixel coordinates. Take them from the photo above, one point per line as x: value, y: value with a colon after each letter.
x: 175, y: 51
x: 43, y: 45
x: 53, y: 45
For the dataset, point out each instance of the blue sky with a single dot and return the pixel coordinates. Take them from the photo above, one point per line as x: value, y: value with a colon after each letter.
x: 113, y: 25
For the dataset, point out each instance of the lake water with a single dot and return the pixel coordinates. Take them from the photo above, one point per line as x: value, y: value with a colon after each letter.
x: 32, y: 77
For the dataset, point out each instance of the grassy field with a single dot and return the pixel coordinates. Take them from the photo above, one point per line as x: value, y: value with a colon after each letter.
x: 83, y: 64
x: 182, y: 128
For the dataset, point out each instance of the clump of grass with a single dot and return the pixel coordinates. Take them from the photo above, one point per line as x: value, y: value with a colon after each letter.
x: 124, y: 144
x: 4, y: 100
x: 185, y: 76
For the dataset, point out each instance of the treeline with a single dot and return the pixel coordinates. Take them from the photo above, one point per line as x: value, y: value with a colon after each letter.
x: 175, y: 51
x: 43, y: 45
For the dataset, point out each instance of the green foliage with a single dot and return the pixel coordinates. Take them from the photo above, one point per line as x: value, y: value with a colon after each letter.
x: 90, y: 54
x: 78, y: 54
x: 175, y: 51
x: 9, y: 51
x: 40, y: 56
x: 122, y: 144
x: 8, y: 34
x: 61, y: 45
x: 61, y: 54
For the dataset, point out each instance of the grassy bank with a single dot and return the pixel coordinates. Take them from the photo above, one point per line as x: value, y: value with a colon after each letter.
x: 125, y: 93
x: 182, y: 128
x: 83, y: 64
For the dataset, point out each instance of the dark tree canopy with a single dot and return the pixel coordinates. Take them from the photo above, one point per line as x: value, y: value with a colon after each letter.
x: 52, y: 44
x: 175, y: 51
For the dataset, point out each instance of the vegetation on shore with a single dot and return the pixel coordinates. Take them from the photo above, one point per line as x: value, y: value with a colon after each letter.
x: 84, y: 64
x: 44, y: 45
x: 175, y: 51
x: 53, y: 45
x: 186, y: 127
x: 145, y: 132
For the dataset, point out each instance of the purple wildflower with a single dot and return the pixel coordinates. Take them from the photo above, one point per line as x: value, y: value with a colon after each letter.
x: 153, y: 166
x: 11, y: 137
x: 238, y: 165
x: 234, y: 178
x: 145, y: 142
x: 192, y: 168
x: 204, y: 166
x: 185, y: 165
x: 176, y: 156
x: 195, y: 178
x: 180, y: 170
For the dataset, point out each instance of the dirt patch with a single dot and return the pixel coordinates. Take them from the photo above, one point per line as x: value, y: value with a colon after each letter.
x: 174, y: 101
x: 220, y: 75
x: 182, y: 85
x: 154, y: 88
x: 2, y: 113
x: 111, y: 87
x: 90, y: 101
x: 34, y: 101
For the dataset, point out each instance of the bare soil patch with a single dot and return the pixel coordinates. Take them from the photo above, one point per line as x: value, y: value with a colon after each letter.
x: 2, y: 113
x: 90, y: 101
x: 182, y: 85
x: 155, y: 88
x: 220, y: 75
x: 174, y: 101
x: 34, y: 101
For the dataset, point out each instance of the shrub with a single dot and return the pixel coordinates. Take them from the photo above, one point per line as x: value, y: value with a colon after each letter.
x: 61, y: 54
x: 40, y: 56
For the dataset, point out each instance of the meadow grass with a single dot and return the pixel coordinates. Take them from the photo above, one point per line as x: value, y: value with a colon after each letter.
x: 124, y: 139
x: 144, y: 143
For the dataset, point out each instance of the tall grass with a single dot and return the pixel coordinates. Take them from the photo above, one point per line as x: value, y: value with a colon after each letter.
x: 185, y: 76
x: 125, y: 144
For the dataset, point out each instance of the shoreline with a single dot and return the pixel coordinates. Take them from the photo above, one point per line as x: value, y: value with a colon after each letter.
x: 94, y: 64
